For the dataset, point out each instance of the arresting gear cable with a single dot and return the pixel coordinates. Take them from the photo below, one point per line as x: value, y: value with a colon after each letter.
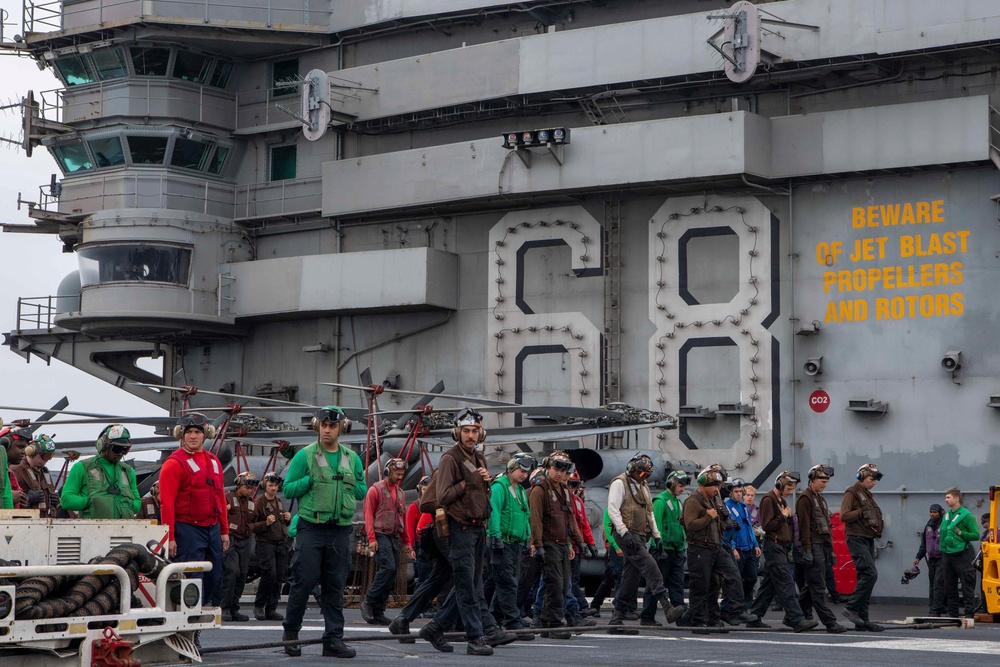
x: 59, y: 596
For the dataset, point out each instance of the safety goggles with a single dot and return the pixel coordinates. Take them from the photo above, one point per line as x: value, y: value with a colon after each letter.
x: 120, y: 449
x: 468, y: 417
x: 871, y: 470
x: 395, y: 464
x: 737, y: 483
x: 683, y: 479
x: 424, y: 481
x: 642, y: 463
x: 789, y: 478
x: 562, y: 465
x: 192, y: 420
x: 821, y: 471
x: 330, y: 413
x: 251, y: 482
x: 574, y: 483
x: 271, y: 477
x: 523, y: 462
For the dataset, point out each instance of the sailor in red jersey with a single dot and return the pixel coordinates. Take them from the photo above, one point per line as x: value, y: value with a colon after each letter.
x: 193, y: 502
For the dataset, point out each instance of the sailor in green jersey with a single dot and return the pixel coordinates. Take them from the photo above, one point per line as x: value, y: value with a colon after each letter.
x: 508, y: 530
x: 671, y: 557
x: 103, y: 487
x: 328, y: 480
x: 958, y: 532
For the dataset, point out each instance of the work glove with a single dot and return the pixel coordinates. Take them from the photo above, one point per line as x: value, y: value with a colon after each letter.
x: 496, y: 544
x: 807, y: 557
x: 36, y: 497
x: 539, y: 554
x: 54, y: 499
x: 592, y: 551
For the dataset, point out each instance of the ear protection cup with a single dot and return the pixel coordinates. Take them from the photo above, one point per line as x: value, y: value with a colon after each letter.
x: 345, y: 423
x: 393, y: 464
x: 208, y: 429
x: 5, y: 442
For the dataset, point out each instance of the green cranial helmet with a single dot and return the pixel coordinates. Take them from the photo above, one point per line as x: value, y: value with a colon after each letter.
x: 45, y: 444
x: 116, y: 434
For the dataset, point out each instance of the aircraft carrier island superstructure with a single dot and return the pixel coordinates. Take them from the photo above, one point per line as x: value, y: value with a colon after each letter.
x: 775, y: 221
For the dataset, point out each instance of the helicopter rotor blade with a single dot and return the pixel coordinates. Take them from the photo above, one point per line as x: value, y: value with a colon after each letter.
x: 48, y: 414
x: 427, y: 398
x: 54, y: 410
x: 218, y: 393
x: 468, y: 399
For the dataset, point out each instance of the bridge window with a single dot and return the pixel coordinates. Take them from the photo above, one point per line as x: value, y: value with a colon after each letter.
x: 218, y: 160
x: 191, y: 66
x: 109, y: 63
x: 150, y: 62
x: 220, y: 77
x: 147, y: 150
x: 72, y: 157
x: 188, y: 154
x: 107, y: 152
x: 134, y: 262
x: 74, y: 70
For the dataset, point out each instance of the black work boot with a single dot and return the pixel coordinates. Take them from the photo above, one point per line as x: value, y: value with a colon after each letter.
x: 670, y: 612
x: 577, y: 621
x: 294, y: 650
x: 497, y: 636
x: 478, y: 646
x: 366, y: 612
x: 554, y: 633
x: 616, y: 626
x: 338, y: 649
x: 400, y: 626
x: 432, y: 634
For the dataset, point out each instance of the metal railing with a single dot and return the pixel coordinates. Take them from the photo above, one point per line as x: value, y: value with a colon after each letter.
x: 288, y: 197
x: 53, y: 15
x: 38, y: 312
x: 153, y: 190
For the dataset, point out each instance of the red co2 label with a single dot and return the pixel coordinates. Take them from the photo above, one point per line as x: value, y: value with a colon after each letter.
x: 819, y: 401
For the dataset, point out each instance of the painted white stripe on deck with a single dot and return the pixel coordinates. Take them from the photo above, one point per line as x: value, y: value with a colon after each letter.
x: 915, y: 644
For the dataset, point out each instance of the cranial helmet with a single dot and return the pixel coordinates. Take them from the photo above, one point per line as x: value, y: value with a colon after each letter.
x: 111, y: 436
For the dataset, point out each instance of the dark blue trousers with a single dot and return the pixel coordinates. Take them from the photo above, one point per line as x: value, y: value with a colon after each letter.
x: 202, y: 543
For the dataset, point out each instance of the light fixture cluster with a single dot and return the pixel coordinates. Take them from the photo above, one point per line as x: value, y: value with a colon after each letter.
x: 500, y: 299
x: 735, y: 320
x: 536, y: 138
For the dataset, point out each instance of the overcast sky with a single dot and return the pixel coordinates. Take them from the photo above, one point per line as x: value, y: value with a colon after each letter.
x: 35, y: 264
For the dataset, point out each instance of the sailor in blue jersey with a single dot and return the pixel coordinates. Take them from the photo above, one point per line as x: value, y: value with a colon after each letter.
x: 746, y: 550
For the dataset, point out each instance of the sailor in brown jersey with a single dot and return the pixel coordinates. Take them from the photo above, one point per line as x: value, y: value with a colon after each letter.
x: 704, y: 517
x: 862, y: 523
x: 242, y: 517
x: 817, y: 545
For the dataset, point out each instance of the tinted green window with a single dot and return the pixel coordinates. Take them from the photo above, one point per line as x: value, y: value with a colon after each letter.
x: 74, y: 70
x: 285, y: 71
x: 283, y: 162
x: 191, y: 66
x: 110, y: 63
x: 150, y: 62
x: 220, y: 77
x: 147, y: 150
x: 73, y: 157
x: 107, y: 152
x: 188, y: 154
x: 218, y: 160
